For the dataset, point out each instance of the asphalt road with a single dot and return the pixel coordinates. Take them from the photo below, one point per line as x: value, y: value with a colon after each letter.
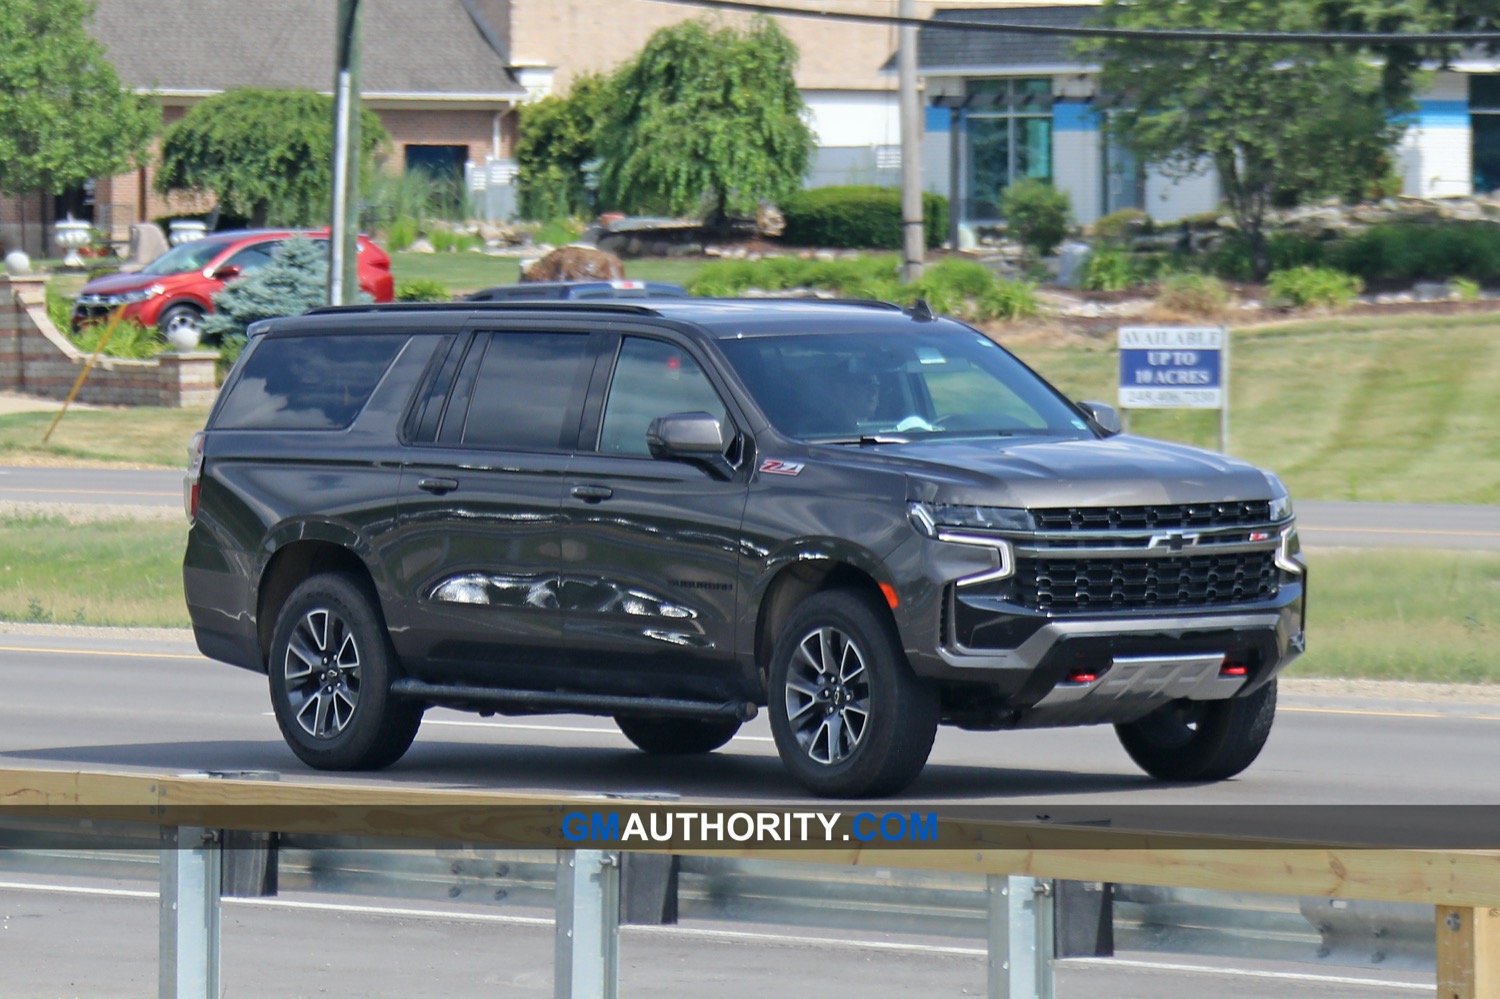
x: 154, y: 704
x: 1322, y: 524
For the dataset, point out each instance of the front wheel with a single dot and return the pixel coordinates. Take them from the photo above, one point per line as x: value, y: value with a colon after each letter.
x: 849, y: 717
x: 677, y: 736
x: 331, y: 669
x: 180, y: 324
x: 1201, y: 740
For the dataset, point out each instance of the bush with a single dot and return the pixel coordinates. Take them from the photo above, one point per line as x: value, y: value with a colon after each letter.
x: 1117, y: 227
x: 862, y: 217
x: 1310, y: 287
x: 130, y: 340
x: 423, y: 290
x: 1107, y: 268
x: 949, y: 286
x: 1412, y: 252
x: 400, y: 234
x: 868, y: 277
x: 1193, y: 294
x: 453, y: 240
x: 59, y: 310
x: 1009, y: 300
x: 1463, y: 289
x: 1037, y: 214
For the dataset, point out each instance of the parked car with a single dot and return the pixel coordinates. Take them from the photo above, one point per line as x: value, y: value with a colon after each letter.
x: 575, y: 290
x: 864, y: 520
x: 177, y: 289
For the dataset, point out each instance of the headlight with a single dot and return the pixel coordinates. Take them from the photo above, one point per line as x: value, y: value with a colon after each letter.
x: 131, y: 297
x: 928, y: 518
x: 1281, y: 500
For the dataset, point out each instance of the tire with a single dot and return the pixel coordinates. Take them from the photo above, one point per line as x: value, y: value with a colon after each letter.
x: 1201, y: 740
x: 180, y: 317
x: 331, y: 668
x: 677, y: 736
x: 849, y: 717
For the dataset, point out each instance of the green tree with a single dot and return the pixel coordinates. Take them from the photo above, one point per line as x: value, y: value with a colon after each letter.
x: 64, y: 117
x: 295, y: 281
x: 265, y: 154
x: 558, y: 137
x: 705, y: 119
x: 1285, y: 120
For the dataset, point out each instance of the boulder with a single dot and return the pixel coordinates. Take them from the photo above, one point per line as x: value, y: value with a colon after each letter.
x: 576, y: 263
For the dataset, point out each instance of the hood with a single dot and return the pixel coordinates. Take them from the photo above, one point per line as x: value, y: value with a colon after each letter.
x: 1047, y: 472
x: 118, y: 284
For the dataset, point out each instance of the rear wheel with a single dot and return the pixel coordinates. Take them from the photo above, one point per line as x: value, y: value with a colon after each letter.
x: 850, y: 718
x: 677, y: 736
x: 331, y: 669
x: 1201, y: 740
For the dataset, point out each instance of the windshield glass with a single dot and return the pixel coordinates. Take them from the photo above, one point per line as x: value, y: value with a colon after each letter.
x: 187, y: 257
x: 849, y: 386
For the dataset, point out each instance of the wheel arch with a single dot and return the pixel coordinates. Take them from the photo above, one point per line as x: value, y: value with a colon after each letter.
x: 795, y: 582
x: 289, y: 566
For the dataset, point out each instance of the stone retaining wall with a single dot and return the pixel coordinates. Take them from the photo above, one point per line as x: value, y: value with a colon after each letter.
x: 37, y: 359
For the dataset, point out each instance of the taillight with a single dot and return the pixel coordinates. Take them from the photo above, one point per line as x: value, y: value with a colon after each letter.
x: 190, y: 480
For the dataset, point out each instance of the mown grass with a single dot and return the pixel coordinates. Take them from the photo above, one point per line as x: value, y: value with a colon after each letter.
x: 1403, y: 615
x: 1424, y: 616
x: 145, y: 435
x: 120, y: 572
x: 1375, y: 409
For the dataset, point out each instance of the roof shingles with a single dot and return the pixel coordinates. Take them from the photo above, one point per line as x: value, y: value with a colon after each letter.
x: 987, y: 50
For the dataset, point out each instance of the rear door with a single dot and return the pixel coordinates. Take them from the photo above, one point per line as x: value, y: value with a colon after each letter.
x: 651, y: 547
x: 480, y: 505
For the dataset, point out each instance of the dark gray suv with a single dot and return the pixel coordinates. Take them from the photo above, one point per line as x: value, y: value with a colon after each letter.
x: 864, y: 520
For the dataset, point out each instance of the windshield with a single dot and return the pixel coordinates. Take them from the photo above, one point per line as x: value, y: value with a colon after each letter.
x: 192, y: 256
x: 849, y: 387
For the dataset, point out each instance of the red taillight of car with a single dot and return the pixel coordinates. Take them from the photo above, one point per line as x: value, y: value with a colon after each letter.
x: 1231, y: 668
x: 190, y: 480
x: 1083, y: 674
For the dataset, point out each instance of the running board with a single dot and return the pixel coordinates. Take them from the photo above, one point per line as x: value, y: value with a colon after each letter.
x: 533, y: 701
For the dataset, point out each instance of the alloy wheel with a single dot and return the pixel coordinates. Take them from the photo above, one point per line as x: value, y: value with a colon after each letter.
x: 322, y: 673
x: 828, y: 696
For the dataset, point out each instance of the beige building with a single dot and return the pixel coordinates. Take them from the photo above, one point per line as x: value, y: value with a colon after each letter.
x: 446, y: 78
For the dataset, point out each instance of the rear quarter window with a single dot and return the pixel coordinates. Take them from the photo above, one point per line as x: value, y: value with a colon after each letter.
x: 308, y: 382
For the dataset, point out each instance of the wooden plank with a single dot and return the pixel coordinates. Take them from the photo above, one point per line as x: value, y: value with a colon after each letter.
x: 1468, y: 952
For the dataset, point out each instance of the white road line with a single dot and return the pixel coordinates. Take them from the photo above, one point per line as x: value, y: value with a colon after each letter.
x: 1283, y: 976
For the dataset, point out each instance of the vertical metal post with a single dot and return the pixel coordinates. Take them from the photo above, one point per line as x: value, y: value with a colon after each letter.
x: 586, y: 959
x: 1224, y: 335
x: 188, y: 956
x: 343, y: 273
x: 955, y: 176
x: 1021, y: 938
x: 914, y: 237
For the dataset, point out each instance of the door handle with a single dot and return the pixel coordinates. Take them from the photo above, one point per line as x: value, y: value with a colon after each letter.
x: 592, y: 494
x: 437, y: 486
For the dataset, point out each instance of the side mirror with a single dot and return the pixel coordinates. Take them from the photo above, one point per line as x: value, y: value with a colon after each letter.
x: 692, y: 437
x: 1105, y: 416
x: 227, y: 273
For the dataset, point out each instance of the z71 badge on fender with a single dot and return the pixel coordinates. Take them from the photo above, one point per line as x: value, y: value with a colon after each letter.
x: 775, y: 466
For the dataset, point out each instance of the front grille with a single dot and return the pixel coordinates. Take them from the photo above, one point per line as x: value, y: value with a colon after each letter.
x: 1063, y: 586
x: 1187, y: 515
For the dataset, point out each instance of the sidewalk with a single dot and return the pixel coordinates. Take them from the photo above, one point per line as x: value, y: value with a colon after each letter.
x: 15, y: 402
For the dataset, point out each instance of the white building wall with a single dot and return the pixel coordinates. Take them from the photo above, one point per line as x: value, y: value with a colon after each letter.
x: 1078, y: 159
x: 854, y: 118
x: 1169, y: 199
x: 1436, y: 155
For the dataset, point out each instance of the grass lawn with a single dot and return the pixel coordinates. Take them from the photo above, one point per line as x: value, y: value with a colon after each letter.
x: 1429, y: 616
x: 145, y: 435
x: 125, y: 572
x: 467, y: 272
x: 1375, y: 409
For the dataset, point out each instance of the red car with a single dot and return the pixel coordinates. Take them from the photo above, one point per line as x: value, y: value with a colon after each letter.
x: 177, y: 289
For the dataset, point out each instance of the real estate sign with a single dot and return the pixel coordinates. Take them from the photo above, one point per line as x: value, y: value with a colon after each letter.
x: 1176, y: 367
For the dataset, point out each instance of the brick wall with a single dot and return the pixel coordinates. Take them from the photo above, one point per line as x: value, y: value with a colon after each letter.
x: 35, y: 358
x: 472, y: 128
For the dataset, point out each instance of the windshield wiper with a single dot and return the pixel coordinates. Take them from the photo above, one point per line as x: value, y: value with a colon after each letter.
x: 864, y: 440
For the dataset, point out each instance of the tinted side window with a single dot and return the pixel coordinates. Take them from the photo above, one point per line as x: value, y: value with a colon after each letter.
x: 308, y: 382
x: 253, y: 257
x: 526, y: 395
x: 652, y: 379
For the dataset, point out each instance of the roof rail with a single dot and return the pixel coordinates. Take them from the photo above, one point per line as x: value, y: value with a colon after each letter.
x: 540, y: 305
x: 868, y: 303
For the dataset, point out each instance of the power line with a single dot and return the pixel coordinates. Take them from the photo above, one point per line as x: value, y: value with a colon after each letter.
x: 1084, y: 31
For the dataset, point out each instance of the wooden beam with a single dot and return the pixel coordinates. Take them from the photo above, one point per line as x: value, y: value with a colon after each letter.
x: 1468, y: 952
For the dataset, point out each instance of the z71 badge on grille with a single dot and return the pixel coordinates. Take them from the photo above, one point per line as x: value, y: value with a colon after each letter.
x: 775, y: 466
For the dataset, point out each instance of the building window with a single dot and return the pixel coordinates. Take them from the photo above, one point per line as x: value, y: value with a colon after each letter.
x: 1009, y: 136
x: 1484, y: 124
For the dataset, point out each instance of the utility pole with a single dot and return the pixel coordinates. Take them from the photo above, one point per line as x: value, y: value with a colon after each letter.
x: 914, y: 242
x: 343, y: 236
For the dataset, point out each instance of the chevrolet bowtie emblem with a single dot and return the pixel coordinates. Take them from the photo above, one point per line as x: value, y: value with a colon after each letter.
x: 1173, y: 541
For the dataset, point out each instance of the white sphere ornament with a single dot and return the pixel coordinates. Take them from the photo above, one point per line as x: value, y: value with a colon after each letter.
x: 182, y: 338
x: 17, y: 262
